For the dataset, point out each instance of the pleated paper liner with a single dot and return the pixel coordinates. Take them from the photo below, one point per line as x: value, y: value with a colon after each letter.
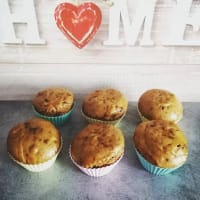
x: 95, y: 172
x: 143, y: 119
x: 38, y: 167
x: 92, y: 120
x: 159, y: 171
x: 56, y: 120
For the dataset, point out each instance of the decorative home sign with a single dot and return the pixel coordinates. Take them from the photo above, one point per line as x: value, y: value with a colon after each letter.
x: 181, y: 18
x: 27, y: 15
x: 78, y: 23
x: 118, y: 13
x: 144, y: 17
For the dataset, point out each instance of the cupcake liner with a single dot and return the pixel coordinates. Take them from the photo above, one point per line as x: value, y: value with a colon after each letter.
x: 96, y: 172
x: 159, y: 171
x: 56, y: 120
x: 37, y: 167
x: 92, y: 120
x: 143, y: 119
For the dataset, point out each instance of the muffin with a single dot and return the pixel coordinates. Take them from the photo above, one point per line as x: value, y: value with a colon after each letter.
x: 54, y: 104
x: 34, y: 144
x: 160, y: 145
x: 159, y: 104
x: 104, y: 106
x: 97, y: 148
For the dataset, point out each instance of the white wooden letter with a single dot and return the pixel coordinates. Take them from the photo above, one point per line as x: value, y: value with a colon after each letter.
x: 26, y: 15
x: 143, y: 16
x: 181, y: 18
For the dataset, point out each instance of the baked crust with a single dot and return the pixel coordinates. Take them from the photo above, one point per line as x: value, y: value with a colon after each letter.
x: 105, y: 104
x: 160, y: 104
x: 34, y: 141
x: 53, y: 101
x: 97, y: 145
x: 161, y: 142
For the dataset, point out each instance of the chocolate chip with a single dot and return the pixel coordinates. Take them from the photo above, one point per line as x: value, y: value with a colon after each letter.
x: 46, y: 141
x: 26, y: 124
x: 31, y: 148
x: 46, y: 100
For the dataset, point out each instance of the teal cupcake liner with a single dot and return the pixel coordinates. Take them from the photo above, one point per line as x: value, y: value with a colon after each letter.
x: 152, y: 168
x: 144, y: 119
x: 93, y: 120
x: 56, y: 120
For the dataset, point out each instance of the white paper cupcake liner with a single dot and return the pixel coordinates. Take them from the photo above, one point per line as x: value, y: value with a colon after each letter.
x: 37, y: 167
x: 96, y: 172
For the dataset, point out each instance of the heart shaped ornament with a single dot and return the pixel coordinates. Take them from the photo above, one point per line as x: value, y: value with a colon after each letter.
x: 78, y: 23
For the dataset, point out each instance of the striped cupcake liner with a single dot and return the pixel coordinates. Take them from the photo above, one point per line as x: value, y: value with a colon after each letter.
x: 56, y: 120
x: 159, y: 171
x: 95, y: 172
x: 92, y: 120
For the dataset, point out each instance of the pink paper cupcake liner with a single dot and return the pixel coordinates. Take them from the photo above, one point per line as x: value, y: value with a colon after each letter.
x: 95, y: 172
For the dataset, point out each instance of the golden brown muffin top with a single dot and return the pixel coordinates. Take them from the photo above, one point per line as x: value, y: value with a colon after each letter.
x: 161, y: 142
x: 160, y: 104
x: 34, y: 141
x: 105, y: 104
x: 53, y: 101
x: 97, y: 145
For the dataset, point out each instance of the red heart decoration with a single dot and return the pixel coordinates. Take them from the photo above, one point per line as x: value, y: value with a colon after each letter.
x: 78, y: 23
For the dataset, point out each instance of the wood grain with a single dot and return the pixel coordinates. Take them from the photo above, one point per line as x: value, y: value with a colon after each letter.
x: 59, y: 50
x: 22, y: 81
x: 25, y: 69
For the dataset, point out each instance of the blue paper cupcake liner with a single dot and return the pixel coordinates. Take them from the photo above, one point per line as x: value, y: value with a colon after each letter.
x: 144, y: 119
x: 152, y: 168
x: 56, y: 120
